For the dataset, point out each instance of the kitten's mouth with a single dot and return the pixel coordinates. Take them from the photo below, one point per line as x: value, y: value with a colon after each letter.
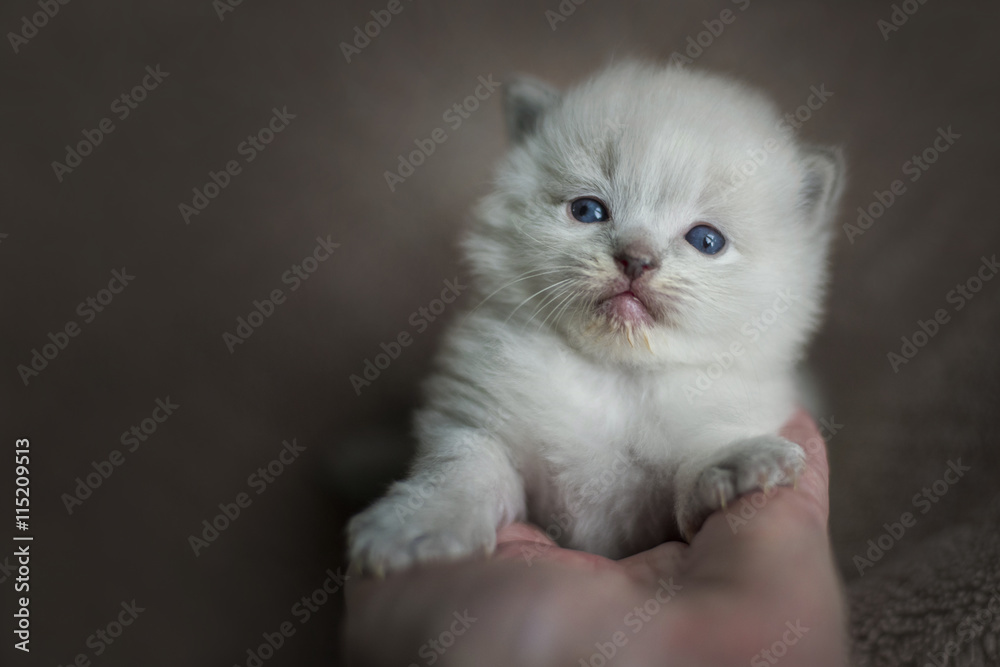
x: 626, y: 307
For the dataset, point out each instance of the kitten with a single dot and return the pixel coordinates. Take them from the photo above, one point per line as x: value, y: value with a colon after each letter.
x: 648, y: 270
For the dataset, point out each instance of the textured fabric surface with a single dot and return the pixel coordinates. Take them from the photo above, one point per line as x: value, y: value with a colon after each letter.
x: 939, y: 608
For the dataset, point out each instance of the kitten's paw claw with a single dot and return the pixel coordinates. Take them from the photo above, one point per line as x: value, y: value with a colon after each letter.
x: 380, y: 542
x: 758, y: 463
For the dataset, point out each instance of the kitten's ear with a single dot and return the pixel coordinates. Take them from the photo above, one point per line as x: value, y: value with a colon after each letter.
x: 823, y: 182
x: 526, y: 100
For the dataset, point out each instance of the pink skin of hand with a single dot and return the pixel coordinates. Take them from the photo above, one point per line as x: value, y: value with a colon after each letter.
x: 751, y: 591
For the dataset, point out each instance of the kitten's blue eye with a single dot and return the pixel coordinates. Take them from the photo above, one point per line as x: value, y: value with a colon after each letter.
x: 706, y: 239
x: 588, y: 209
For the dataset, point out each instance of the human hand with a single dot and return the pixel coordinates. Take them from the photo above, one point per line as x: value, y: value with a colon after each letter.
x: 756, y: 586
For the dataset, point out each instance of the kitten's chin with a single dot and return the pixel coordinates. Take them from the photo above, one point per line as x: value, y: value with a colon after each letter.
x: 625, y: 310
x: 626, y: 325
x: 621, y: 328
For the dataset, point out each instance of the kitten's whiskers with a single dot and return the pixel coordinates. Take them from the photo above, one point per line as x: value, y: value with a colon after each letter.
x: 550, y: 299
x: 566, y: 301
x: 544, y: 289
x: 524, y: 276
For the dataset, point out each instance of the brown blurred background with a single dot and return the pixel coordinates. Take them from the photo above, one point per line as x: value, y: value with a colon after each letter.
x: 323, y: 175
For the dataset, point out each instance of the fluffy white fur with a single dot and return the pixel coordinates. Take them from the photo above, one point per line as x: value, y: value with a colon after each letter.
x: 546, y: 407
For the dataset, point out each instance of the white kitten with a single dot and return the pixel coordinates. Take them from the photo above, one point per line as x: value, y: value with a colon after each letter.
x: 648, y: 269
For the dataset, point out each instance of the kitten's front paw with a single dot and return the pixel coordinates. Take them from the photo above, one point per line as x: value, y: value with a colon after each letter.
x: 757, y: 463
x: 390, y: 536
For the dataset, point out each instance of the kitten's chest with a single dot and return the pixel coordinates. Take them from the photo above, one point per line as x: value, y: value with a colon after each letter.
x: 574, y: 411
x: 601, y: 480
x: 578, y: 413
x: 611, y: 505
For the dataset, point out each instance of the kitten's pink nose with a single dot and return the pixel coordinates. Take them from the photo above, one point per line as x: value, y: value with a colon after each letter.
x: 636, y: 260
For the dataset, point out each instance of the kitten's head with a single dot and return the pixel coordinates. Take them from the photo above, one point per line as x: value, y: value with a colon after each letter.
x: 656, y: 215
